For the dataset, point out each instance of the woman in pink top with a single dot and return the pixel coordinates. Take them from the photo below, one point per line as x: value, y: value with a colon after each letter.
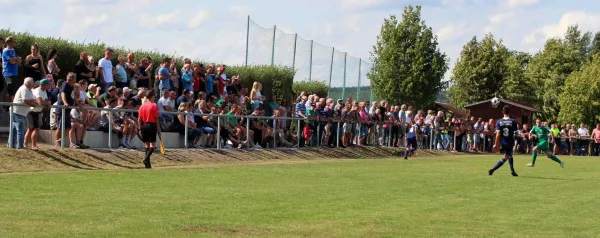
x: 365, y: 120
x: 596, y: 136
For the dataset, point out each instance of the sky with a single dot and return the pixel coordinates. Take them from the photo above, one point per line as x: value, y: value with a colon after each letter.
x: 215, y: 31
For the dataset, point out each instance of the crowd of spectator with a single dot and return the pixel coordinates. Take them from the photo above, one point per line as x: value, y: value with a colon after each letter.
x: 216, y: 102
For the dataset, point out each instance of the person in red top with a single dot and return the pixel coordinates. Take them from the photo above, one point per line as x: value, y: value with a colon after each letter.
x: 596, y: 136
x: 149, y: 126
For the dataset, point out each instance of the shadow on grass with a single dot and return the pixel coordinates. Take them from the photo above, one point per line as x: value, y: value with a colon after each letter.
x: 52, y: 157
x: 108, y: 162
x: 550, y: 178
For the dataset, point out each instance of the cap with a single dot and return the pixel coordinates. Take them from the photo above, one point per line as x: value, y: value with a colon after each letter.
x: 92, y: 86
x: 340, y: 101
x: 45, y: 82
x: 126, y: 89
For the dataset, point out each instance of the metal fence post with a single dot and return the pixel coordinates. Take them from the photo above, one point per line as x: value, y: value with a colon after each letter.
x: 454, y: 139
x: 295, y: 47
x: 344, y: 87
x: 298, y: 133
x: 110, y: 127
x: 247, y: 38
x: 318, y: 134
x: 11, y: 136
x: 185, y: 133
x: 274, y: 132
x: 311, y: 61
x: 390, y: 136
x: 248, y: 133
x: 359, y: 76
x: 218, y: 133
x: 330, y: 72
x: 337, y: 143
x: 273, y: 50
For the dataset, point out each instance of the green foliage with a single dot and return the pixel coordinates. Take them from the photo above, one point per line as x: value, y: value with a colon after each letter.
x: 408, y: 66
x: 276, y: 80
x: 310, y: 87
x: 580, y: 101
x: 552, y: 66
x: 480, y: 72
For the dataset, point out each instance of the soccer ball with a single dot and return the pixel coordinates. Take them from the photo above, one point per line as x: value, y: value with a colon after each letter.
x: 495, y: 102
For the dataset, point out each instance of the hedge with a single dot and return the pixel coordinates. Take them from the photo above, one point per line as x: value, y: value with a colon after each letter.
x: 310, y: 87
x: 275, y: 80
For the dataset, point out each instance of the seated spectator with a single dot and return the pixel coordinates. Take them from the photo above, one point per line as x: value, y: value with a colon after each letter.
x: 111, y: 93
x: 78, y: 127
x: 193, y: 132
x: 166, y: 104
x: 262, y: 134
x: 55, y: 93
x: 279, y: 129
x: 110, y: 120
x: 129, y: 123
x: 186, y: 96
x: 239, y: 131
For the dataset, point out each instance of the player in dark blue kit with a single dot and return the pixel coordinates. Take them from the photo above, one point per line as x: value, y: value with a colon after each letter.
x: 505, y: 130
x: 411, y: 138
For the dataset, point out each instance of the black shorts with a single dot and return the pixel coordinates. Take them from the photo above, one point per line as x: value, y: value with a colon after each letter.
x: 67, y: 118
x: 411, y: 143
x: 33, y: 120
x: 149, y: 132
x: 506, y: 149
x: 11, y: 88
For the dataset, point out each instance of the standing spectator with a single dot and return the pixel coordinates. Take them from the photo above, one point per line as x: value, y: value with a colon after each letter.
x: 143, y: 80
x: 10, y: 66
x: 22, y: 96
x: 187, y: 77
x: 584, y: 135
x: 210, y: 80
x: 53, y: 68
x: 596, y: 137
x: 121, y: 74
x: 256, y: 96
x: 199, y: 78
x: 55, y: 93
x: 66, y: 100
x: 164, y: 77
x: 82, y: 70
x: 106, y: 71
x: 132, y: 71
x: 91, y: 64
x: 573, y: 140
x: 222, y: 80
x: 34, y: 64
x: 174, y: 77
x: 33, y: 119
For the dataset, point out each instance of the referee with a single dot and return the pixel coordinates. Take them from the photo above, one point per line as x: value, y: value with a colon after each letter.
x: 149, y: 125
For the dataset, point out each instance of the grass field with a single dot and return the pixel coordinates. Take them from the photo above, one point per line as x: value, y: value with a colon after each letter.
x: 424, y: 197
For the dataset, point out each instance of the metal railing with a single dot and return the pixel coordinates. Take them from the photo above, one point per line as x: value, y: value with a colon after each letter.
x: 429, y: 141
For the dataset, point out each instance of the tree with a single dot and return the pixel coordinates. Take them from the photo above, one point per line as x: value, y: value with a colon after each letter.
x: 516, y: 86
x: 552, y: 66
x: 595, y: 48
x: 580, y: 101
x: 408, y: 66
x: 480, y: 71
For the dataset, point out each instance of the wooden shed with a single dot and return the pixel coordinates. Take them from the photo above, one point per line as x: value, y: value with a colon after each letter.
x: 484, y: 109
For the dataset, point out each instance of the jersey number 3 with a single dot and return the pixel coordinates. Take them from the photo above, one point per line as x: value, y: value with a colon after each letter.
x: 505, y: 132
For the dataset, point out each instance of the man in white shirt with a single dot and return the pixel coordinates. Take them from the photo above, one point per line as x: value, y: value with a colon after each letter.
x: 165, y: 103
x: 106, y: 71
x: 33, y: 118
x: 22, y: 96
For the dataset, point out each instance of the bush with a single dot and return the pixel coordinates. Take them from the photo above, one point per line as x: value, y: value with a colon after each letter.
x: 311, y: 87
x: 276, y: 80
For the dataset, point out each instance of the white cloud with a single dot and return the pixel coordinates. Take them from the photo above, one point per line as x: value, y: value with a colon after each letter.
x: 518, y: 3
x: 200, y: 18
x: 501, y: 17
x: 452, y: 31
x: 239, y: 10
x: 352, y: 22
x: 586, y: 21
x: 358, y: 4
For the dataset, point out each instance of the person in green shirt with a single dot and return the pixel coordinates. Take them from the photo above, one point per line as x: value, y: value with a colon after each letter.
x: 542, y: 133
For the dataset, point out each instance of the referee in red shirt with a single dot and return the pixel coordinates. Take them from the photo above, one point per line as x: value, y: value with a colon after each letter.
x: 149, y: 126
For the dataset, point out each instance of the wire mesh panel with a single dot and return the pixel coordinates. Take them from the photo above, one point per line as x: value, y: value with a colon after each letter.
x: 303, y: 55
x: 352, y: 72
x: 336, y: 87
x: 365, y: 84
x: 284, y: 48
x: 260, y: 45
x: 321, y: 62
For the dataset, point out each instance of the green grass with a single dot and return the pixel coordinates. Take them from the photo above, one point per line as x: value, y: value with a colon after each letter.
x: 426, y: 197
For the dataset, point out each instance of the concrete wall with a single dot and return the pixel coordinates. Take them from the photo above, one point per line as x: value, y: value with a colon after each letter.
x: 98, y: 139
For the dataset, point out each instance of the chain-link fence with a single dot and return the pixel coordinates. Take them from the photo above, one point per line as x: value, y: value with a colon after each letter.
x: 345, y: 75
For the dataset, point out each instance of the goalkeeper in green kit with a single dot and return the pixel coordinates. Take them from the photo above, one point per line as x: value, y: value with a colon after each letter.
x: 542, y: 133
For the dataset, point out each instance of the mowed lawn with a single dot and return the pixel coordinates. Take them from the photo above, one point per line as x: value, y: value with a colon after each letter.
x: 424, y: 197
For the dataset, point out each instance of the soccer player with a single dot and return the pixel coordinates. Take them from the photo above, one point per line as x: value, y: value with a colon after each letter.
x: 411, y: 138
x: 542, y: 132
x: 505, y: 130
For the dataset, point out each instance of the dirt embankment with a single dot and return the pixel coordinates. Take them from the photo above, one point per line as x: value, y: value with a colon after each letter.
x: 48, y: 158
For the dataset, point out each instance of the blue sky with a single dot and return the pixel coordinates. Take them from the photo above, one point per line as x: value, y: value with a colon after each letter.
x: 216, y: 30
